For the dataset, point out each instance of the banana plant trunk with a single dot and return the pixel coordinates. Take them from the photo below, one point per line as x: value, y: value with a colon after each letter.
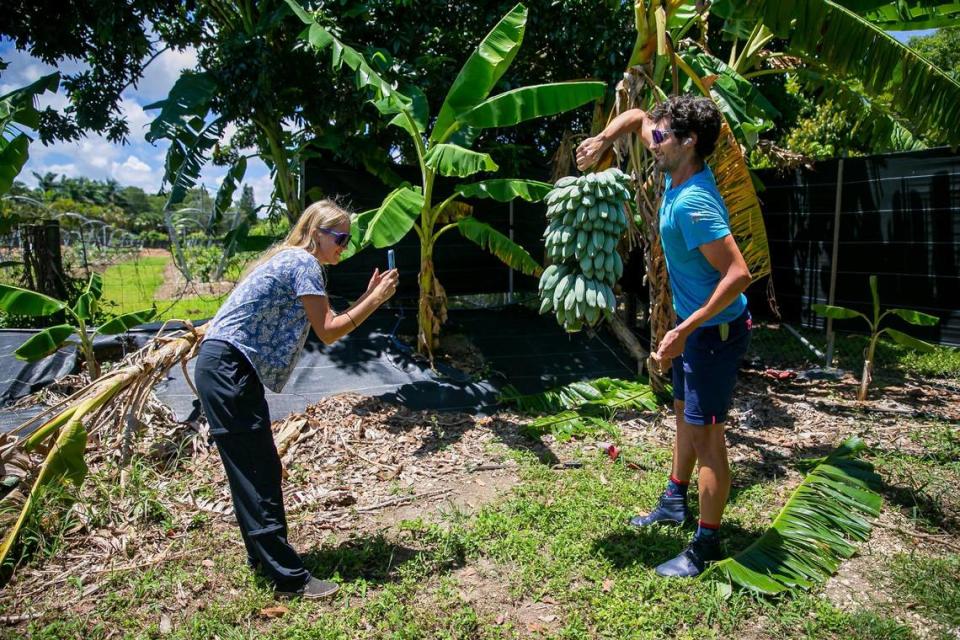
x: 432, y: 307
x: 867, y: 376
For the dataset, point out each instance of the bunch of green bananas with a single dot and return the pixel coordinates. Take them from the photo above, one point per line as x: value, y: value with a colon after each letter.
x: 586, y: 218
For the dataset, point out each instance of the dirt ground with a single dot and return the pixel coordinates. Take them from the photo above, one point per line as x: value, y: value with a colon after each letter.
x: 366, y: 466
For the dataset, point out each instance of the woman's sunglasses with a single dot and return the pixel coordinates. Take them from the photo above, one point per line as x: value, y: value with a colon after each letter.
x: 342, y: 239
x: 659, y: 135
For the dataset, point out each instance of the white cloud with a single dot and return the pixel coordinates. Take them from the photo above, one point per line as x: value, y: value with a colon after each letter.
x: 135, y: 172
x: 135, y: 164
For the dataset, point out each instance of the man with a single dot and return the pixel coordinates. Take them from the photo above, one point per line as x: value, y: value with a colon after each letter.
x: 707, y: 277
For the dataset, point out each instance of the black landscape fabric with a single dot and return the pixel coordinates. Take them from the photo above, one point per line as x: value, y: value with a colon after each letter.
x: 506, y: 345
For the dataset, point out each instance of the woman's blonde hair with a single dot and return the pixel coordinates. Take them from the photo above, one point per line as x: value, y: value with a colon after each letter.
x: 323, y: 214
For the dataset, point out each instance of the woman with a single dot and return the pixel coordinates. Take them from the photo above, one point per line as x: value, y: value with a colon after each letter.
x: 254, y: 341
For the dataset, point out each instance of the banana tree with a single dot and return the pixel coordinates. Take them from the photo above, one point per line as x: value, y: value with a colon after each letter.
x: 23, y: 302
x: 17, y: 110
x: 908, y: 315
x: 839, y: 46
x: 443, y: 150
x: 52, y: 454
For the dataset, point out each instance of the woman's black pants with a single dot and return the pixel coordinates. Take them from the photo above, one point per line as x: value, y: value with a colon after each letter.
x: 233, y: 401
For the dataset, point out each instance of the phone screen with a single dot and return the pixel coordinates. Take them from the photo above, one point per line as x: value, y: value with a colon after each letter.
x: 391, y: 260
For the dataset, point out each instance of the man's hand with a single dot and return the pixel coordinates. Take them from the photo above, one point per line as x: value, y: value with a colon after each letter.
x: 671, y: 346
x: 590, y: 151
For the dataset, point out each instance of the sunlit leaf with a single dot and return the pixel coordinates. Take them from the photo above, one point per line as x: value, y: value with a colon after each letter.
x: 505, y: 190
x: 526, y: 103
x: 816, y: 529
x: 485, y: 66
x: 44, y: 342
x: 453, y: 160
x: 23, y: 302
x: 394, y: 219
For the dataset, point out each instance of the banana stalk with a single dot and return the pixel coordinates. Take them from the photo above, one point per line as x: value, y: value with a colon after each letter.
x: 66, y: 428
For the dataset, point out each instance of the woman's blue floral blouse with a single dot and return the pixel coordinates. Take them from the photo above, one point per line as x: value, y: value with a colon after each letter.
x: 264, y: 317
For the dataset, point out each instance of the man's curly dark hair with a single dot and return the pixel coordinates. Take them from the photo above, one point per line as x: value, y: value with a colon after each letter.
x: 691, y: 115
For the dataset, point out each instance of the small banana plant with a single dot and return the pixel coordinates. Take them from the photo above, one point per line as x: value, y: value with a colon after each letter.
x: 23, y: 302
x: 909, y: 315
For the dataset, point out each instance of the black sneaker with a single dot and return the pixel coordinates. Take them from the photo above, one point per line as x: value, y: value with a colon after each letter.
x: 313, y: 590
x: 670, y: 510
x: 692, y: 561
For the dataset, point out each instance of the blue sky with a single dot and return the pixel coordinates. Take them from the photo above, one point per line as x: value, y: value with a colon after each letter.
x: 137, y: 163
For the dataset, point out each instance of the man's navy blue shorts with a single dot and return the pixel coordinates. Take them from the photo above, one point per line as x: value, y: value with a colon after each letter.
x: 705, y: 374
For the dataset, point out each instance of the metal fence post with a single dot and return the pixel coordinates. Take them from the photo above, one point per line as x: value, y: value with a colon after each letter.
x: 833, y: 262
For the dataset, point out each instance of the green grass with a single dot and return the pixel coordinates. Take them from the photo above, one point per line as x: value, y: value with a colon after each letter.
x: 560, y: 537
x: 923, y: 487
x: 932, y: 583
x: 130, y: 286
x: 196, y: 308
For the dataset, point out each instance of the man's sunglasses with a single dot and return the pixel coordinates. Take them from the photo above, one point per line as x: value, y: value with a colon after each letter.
x: 659, y: 135
x: 342, y: 239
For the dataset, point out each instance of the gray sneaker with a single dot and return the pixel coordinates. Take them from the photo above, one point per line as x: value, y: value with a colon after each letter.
x: 313, y: 590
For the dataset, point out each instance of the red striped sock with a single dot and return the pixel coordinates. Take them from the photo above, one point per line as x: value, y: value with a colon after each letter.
x: 707, y: 531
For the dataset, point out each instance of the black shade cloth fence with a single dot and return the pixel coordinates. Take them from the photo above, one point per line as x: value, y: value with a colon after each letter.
x: 899, y: 220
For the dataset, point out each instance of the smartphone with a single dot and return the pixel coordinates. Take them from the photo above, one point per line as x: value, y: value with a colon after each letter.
x: 391, y: 260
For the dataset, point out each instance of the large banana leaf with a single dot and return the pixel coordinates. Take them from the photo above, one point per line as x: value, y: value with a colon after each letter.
x: 837, y: 313
x: 13, y: 155
x: 815, y: 530
x: 613, y: 393
x: 901, y: 16
x: 388, y: 100
x: 582, y: 407
x: 395, y: 217
x: 20, y: 106
x: 736, y: 187
x: 358, y: 231
x: 126, y: 321
x: 505, y: 189
x: 745, y: 109
x: 508, y: 251
x: 23, y: 302
x: 44, y: 342
x: 480, y: 73
x: 915, y: 317
x: 526, y: 103
x: 63, y: 462
x: 453, y: 160
x: 909, y: 341
x: 187, y: 155
x: 189, y: 97
x: 850, y: 46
